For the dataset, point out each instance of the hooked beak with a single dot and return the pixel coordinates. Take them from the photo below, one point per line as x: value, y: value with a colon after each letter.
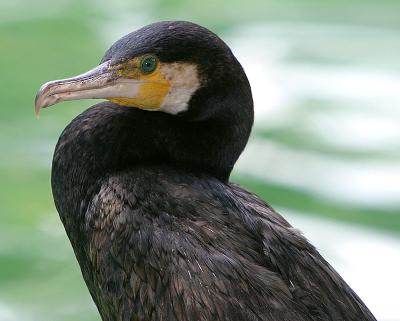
x: 102, y: 81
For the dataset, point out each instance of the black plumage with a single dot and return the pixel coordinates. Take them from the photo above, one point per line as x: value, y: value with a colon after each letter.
x: 158, y: 230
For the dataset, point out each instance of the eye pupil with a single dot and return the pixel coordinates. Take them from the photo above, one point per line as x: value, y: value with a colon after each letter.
x: 149, y: 64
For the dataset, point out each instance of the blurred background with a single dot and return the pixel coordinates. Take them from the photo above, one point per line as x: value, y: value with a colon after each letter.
x: 325, y: 149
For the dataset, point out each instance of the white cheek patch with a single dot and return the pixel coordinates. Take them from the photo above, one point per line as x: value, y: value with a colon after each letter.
x: 184, y: 81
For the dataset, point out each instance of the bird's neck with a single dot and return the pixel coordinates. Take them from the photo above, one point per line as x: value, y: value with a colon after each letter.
x: 108, y: 138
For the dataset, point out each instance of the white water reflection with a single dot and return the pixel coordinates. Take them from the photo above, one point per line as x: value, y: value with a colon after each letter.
x: 6, y: 313
x: 364, y: 183
x: 358, y: 110
x: 358, y: 130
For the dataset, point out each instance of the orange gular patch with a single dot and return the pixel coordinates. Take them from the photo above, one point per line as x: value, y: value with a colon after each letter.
x: 153, y: 87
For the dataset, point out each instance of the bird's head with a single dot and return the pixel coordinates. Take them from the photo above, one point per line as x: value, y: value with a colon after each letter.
x: 167, y: 66
x: 198, y: 92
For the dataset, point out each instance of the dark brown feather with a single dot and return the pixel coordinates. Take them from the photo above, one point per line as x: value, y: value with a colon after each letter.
x: 232, y: 258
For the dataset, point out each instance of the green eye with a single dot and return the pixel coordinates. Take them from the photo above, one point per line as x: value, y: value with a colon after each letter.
x: 149, y: 64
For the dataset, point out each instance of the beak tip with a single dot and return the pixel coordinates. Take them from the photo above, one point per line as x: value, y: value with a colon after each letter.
x: 42, y: 98
x: 38, y: 102
x: 37, y: 111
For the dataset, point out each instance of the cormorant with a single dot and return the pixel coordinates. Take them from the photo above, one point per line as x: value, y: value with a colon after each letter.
x: 144, y: 194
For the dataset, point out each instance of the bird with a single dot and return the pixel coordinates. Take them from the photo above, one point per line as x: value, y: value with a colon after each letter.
x: 141, y: 184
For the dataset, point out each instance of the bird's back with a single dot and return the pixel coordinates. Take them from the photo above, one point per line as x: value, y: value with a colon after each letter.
x: 163, y: 244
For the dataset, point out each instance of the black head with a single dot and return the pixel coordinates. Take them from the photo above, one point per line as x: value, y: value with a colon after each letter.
x: 188, y: 77
x: 186, y: 44
x: 173, y: 41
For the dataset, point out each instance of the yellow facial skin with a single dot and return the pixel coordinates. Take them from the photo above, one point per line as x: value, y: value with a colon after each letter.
x: 152, y: 91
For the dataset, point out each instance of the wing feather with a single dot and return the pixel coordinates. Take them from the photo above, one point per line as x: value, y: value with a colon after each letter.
x: 204, y: 250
